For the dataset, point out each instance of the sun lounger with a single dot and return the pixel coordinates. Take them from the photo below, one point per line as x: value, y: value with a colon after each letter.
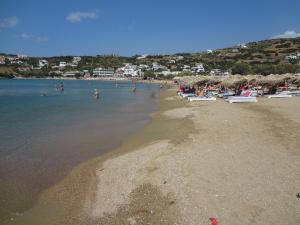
x: 283, y: 94
x: 226, y: 95
x: 201, y: 98
x: 236, y: 99
x: 187, y: 95
x: 295, y: 93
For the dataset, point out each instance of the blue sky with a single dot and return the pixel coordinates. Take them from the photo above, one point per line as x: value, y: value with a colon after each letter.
x: 128, y: 27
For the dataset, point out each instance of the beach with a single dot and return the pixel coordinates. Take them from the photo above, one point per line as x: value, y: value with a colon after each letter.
x: 238, y: 163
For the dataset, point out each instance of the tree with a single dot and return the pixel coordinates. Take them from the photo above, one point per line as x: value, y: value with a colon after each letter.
x: 149, y: 75
x: 241, y: 68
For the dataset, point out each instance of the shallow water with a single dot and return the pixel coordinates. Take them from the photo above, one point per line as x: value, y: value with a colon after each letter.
x: 44, y: 132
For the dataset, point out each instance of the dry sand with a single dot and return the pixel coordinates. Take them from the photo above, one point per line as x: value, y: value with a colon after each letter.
x: 240, y: 165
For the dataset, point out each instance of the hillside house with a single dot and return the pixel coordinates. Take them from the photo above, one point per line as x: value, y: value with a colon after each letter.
x: 103, y: 72
x: 130, y: 70
x: 218, y: 72
x: 198, y: 68
x: 43, y: 63
x: 62, y: 65
x: 71, y: 73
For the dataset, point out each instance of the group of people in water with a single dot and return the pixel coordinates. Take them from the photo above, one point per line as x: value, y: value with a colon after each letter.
x: 60, y: 87
x: 96, y: 94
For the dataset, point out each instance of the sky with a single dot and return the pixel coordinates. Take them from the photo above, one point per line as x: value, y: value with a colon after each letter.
x: 129, y: 27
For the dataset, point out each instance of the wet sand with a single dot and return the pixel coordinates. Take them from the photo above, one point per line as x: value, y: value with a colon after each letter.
x: 239, y: 163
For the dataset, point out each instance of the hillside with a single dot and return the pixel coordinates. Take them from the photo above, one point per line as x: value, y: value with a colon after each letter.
x: 6, y: 72
x: 262, y: 57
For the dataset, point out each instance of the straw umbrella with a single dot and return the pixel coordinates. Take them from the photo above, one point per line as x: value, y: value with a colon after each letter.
x: 234, y: 81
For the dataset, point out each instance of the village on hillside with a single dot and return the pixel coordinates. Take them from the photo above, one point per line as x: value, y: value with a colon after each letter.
x: 277, y: 56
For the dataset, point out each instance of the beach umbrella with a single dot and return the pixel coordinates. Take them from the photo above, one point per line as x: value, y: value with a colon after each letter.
x: 234, y: 81
x: 253, y: 78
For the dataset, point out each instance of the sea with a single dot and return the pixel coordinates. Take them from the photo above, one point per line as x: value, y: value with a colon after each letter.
x: 45, y: 132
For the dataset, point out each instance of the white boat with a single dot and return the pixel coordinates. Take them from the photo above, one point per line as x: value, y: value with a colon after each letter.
x: 201, y: 98
x: 283, y: 94
x: 236, y: 99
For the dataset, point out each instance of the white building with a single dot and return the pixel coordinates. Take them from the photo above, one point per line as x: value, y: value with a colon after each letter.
x: 156, y: 66
x: 102, y: 72
x: 243, y: 45
x: 21, y: 56
x: 86, y: 73
x: 142, y: 56
x: 144, y: 67
x: 179, y: 57
x: 186, y: 68
x: 71, y: 73
x: 218, y: 72
x: 62, y: 64
x: 198, y: 68
x: 292, y: 56
x: 43, y: 63
x: 76, y: 60
x: 209, y: 51
x: 132, y: 71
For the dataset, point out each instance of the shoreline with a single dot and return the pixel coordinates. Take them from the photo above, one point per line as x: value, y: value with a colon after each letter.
x: 52, y: 201
x: 98, y: 79
x: 238, y: 163
x: 130, y: 125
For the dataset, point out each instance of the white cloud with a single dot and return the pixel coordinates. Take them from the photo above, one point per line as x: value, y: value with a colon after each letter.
x: 42, y: 39
x: 8, y: 22
x: 287, y: 34
x: 26, y: 36
x: 78, y: 16
x: 33, y: 37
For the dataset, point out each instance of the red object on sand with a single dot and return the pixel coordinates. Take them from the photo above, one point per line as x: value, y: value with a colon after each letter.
x: 213, y: 221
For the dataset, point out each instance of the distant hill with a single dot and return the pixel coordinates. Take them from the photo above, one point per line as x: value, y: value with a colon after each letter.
x: 261, y: 57
x: 267, y: 51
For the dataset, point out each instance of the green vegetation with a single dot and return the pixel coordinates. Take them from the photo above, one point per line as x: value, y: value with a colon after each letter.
x: 43, y: 73
x: 149, y: 75
x: 241, y: 68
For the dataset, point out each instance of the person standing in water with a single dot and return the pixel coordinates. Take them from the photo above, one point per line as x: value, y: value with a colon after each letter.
x: 134, y: 89
x: 61, y: 86
x: 96, y: 93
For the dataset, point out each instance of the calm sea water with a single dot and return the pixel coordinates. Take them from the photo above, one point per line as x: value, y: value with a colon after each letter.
x: 44, y: 132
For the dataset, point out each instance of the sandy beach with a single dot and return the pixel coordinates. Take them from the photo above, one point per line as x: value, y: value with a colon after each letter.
x: 239, y: 163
